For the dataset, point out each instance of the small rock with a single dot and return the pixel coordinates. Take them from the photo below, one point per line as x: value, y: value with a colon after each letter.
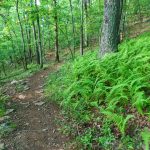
x: 39, y: 91
x: 27, y: 124
x: 39, y: 103
x: 54, y: 131
x: 9, y: 111
x: 13, y: 82
x: 45, y: 129
x: 41, y: 86
x: 26, y: 88
x: 27, y: 103
x: 21, y: 97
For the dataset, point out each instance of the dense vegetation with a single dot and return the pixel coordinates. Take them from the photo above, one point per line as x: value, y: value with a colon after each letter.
x: 103, y: 86
x: 107, y: 101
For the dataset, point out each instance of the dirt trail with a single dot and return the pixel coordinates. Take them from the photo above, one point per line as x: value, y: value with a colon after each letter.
x: 36, y: 120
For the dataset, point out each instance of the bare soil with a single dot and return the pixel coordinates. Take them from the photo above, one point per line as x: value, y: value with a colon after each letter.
x: 35, y: 118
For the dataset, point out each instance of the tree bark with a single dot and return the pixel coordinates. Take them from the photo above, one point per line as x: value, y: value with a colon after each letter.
x: 22, y: 35
x: 86, y: 5
x: 39, y: 36
x: 81, y: 29
x: 28, y: 37
x: 111, y: 25
x: 36, y: 44
x: 56, y: 32
x: 73, y: 25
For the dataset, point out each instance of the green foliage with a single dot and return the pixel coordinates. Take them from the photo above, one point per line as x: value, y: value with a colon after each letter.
x: 11, y: 45
x: 119, y: 120
x: 17, y: 74
x: 108, y: 87
x: 7, y: 128
x: 3, y: 100
x: 146, y: 137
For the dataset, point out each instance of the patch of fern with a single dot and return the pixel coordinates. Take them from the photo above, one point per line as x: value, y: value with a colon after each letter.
x: 89, y: 87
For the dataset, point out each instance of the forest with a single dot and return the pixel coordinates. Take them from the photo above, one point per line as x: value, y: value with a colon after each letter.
x: 75, y: 75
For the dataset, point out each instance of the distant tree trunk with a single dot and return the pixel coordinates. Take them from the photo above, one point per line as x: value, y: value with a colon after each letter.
x: 35, y: 38
x: 28, y: 36
x: 22, y: 35
x: 39, y: 36
x: 49, y: 39
x: 111, y: 24
x: 86, y: 41
x: 36, y: 44
x: 56, y: 31
x: 139, y: 11
x: 66, y: 27
x: 123, y: 29
x: 49, y: 31
x: 73, y: 25
x: 81, y: 29
x: 29, y: 42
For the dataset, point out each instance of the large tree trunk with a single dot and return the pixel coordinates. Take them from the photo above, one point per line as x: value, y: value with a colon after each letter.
x: 111, y: 24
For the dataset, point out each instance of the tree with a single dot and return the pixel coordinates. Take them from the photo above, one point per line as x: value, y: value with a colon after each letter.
x: 37, y: 2
x: 81, y: 28
x: 86, y: 7
x: 56, y: 31
x: 22, y: 35
x: 73, y: 24
x: 111, y: 25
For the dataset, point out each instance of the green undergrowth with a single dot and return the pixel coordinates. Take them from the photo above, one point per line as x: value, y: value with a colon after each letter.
x: 3, y: 100
x: 20, y: 73
x: 106, y: 101
x: 6, y: 125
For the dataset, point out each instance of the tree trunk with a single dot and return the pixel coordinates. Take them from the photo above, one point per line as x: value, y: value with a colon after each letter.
x: 86, y: 41
x: 29, y: 42
x: 22, y: 35
x: 56, y: 31
x: 81, y: 29
x: 72, y: 55
x: 39, y: 36
x: 73, y: 25
x: 28, y: 37
x: 111, y: 24
x: 36, y: 44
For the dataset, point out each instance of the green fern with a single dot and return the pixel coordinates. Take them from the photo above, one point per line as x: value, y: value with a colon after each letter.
x: 117, y: 83
x: 118, y: 119
x: 146, y: 137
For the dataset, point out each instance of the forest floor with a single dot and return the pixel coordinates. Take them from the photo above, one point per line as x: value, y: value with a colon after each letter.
x: 35, y: 118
